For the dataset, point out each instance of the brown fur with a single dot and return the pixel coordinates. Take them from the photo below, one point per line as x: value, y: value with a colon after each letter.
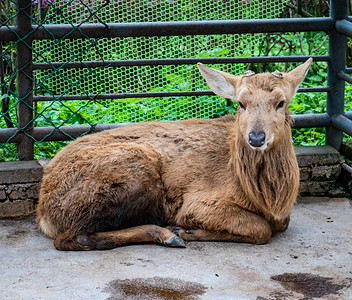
x: 127, y: 185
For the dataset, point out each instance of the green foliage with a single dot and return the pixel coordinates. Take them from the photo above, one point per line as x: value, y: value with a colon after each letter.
x: 8, y: 152
x: 306, y: 103
x: 153, y: 78
x: 48, y: 149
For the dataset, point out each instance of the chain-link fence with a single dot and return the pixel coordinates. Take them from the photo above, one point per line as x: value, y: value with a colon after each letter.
x: 78, y: 62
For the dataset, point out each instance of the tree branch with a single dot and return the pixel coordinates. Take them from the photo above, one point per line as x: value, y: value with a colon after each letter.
x: 302, y: 12
x: 321, y: 45
x: 301, y: 43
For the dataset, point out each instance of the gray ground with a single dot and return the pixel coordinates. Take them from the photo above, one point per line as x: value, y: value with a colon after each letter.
x: 312, y: 259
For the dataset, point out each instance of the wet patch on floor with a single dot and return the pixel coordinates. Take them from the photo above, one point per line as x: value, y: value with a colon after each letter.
x: 17, y: 230
x: 155, y: 288
x: 15, y: 237
x: 311, y: 286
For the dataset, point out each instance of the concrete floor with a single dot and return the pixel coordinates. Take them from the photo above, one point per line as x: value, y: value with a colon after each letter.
x: 311, y: 260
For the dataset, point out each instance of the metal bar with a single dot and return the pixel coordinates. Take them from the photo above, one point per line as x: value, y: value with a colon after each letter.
x: 146, y: 95
x: 348, y: 114
x: 63, y: 133
x: 342, y: 123
x: 121, y: 96
x: 66, y: 133
x: 10, y: 135
x: 311, y: 120
x: 347, y: 167
x: 170, y: 61
x: 337, y: 63
x: 110, y: 30
x: 344, y: 77
x: 8, y: 33
x: 349, y: 70
x: 24, y: 80
x: 344, y: 27
x: 311, y: 90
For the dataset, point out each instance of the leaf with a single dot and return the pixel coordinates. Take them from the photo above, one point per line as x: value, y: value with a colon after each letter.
x: 174, y: 78
x: 322, y: 73
x: 316, y: 78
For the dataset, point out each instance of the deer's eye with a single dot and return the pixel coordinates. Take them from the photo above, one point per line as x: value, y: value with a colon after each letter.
x: 242, y: 106
x: 280, y: 105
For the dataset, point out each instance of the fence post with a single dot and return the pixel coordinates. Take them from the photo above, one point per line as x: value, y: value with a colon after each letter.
x: 337, y: 63
x: 24, y: 80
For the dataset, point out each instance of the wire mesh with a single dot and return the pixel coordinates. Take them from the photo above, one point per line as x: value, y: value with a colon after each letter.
x: 59, y: 81
x: 138, y: 79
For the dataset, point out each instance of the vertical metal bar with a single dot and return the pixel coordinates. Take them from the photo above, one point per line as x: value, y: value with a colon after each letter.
x: 337, y: 63
x: 24, y: 80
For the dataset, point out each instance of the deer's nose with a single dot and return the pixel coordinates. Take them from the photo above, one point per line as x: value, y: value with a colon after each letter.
x: 256, y: 139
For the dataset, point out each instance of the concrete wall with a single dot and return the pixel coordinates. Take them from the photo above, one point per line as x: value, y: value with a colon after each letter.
x: 320, y: 168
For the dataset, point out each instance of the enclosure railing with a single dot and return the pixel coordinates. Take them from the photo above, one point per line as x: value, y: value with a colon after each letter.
x: 338, y: 25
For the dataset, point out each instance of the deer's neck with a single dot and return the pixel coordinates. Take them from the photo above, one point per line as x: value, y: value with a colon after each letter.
x: 268, y: 178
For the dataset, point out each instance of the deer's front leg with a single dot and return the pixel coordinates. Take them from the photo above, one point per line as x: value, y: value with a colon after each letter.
x: 280, y: 226
x: 203, y: 235
x: 221, y: 221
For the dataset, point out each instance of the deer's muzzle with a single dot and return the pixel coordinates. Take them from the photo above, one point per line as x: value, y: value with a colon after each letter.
x: 256, y: 139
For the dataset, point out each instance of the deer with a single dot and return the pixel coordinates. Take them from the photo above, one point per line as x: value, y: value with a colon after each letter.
x: 232, y: 179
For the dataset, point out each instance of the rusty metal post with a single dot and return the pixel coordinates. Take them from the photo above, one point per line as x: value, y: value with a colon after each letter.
x: 24, y: 80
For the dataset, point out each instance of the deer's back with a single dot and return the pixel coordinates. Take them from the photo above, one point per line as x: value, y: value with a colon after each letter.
x: 185, y: 154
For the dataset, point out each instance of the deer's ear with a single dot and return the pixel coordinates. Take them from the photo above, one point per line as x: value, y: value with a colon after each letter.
x: 221, y: 83
x: 297, y: 75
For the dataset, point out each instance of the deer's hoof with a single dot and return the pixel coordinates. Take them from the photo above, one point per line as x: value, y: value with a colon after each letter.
x: 83, y: 241
x: 177, y: 230
x: 175, y: 241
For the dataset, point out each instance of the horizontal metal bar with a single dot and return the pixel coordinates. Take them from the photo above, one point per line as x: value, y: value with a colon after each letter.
x: 342, y: 123
x: 344, y: 27
x: 345, y: 77
x: 314, y: 90
x: 349, y: 70
x: 173, y: 61
x: 98, y: 30
x: 145, y: 95
x: 121, y: 96
x: 65, y: 133
x: 347, y: 167
x: 348, y: 114
x: 68, y: 132
x: 9, y: 33
x: 311, y: 120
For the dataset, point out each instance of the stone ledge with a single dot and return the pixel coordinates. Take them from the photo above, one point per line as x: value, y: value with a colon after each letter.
x: 18, y: 208
x: 19, y: 191
x: 305, y: 173
x: 346, y: 149
x: 322, y: 188
x: 323, y: 173
x: 318, y: 187
x: 317, y: 156
x: 20, y: 172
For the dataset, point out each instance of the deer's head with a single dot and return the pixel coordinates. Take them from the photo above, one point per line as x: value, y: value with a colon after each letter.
x: 263, y: 117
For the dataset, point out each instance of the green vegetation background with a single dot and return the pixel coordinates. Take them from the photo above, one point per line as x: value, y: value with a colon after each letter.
x: 61, y: 113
